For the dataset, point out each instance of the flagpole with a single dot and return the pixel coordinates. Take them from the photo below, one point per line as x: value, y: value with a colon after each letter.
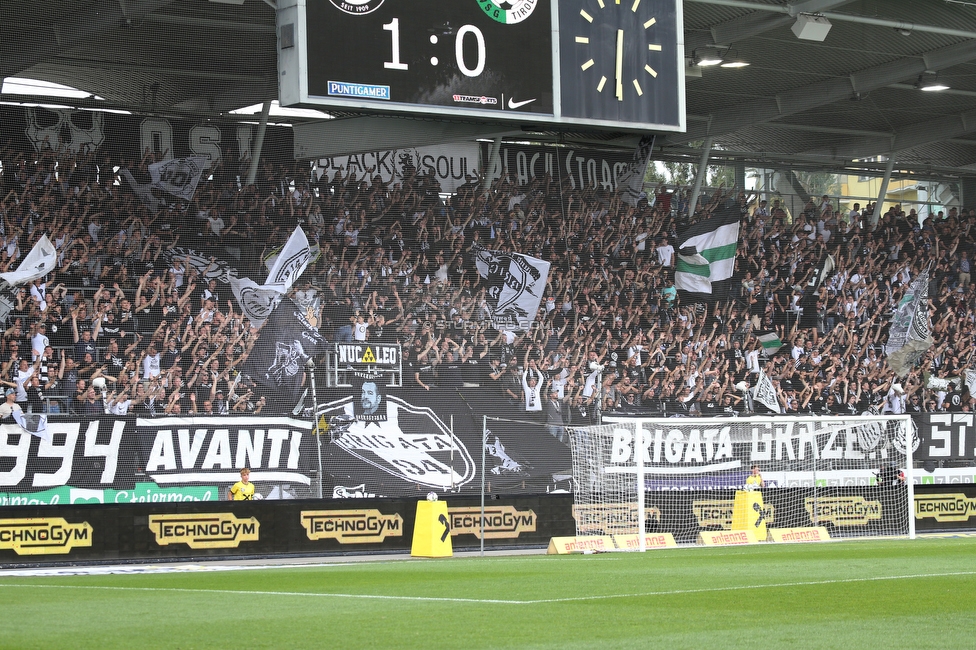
x: 315, y: 422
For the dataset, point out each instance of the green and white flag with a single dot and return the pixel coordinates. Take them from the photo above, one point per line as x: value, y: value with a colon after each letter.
x: 706, y: 257
x: 770, y: 341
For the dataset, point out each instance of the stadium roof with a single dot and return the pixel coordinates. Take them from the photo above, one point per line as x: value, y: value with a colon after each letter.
x: 804, y: 103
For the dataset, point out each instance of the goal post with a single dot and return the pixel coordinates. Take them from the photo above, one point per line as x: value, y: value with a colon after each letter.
x: 852, y: 476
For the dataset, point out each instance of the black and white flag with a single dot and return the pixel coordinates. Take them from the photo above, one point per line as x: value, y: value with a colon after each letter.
x: 39, y: 262
x: 286, y: 343
x: 258, y: 301
x: 178, y: 176
x: 909, y: 335
x: 631, y: 182
x: 765, y: 393
x: 515, y: 284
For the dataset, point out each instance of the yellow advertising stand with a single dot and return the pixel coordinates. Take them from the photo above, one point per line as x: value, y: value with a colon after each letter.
x: 432, y: 530
x: 748, y: 513
x: 583, y: 544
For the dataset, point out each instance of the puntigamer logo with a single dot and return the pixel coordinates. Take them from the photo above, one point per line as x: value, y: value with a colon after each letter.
x: 351, y: 526
x: 944, y: 507
x: 501, y: 522
x: 43, y: 536
x: 842, y: 511
x: 204, y: 530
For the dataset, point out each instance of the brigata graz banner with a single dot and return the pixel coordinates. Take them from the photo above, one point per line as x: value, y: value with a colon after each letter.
x: 395, y: 444
x: 717, y: 453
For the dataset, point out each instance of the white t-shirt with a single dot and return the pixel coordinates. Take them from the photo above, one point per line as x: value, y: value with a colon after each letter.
x: 38, y: 343
x: 359, y: 331
x: 150, y: 366
x: 665, y: 254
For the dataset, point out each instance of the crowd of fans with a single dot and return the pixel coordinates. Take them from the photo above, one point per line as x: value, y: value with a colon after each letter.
x: 131, y: 323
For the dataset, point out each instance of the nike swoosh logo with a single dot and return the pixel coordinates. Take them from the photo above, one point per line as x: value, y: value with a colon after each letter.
x: 512, y: 104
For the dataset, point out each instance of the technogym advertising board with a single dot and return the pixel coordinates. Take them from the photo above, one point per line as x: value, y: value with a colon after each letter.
x: 612, y: 63
x: 237, y: 528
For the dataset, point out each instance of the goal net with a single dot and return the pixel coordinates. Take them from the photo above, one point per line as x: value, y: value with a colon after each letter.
x: 850, y: 475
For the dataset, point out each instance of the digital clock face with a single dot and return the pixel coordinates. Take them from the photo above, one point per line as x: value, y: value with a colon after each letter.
x: 482, y: 55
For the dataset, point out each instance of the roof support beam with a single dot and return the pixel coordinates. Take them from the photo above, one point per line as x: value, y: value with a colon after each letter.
x: 851, y: 18
x: 909, y: 137
x: 821, y: 93
x: 47, y: 42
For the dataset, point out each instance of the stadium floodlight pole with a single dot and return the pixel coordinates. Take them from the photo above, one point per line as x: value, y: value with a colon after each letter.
x: 315, y: 421
x: 484, y: 443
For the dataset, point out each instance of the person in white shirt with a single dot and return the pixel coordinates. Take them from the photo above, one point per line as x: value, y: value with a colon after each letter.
x: 665, y: 253
x: 9, y: 407
x: 150, y: 364
x: 895, y: 400
x: 360, y: 328
x: 532, y: 390
x: 39, y: 341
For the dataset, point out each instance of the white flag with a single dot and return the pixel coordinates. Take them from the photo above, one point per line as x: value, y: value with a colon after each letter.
x: 178, y: 176
x: 765, y: 393
x: 35, y: 423
x: 971, y: 381
x: 143, y: 191
x: 256, y: 301
x: 515, y: 284
x: 291, y: 262
x: 39, y: 262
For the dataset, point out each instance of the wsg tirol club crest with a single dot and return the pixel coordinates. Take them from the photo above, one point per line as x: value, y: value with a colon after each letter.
x: 508, y: 12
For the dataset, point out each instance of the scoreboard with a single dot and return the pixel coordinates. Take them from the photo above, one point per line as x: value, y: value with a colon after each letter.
x: 601, y: 63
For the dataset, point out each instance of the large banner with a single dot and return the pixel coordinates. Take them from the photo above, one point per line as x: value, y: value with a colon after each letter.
x: 387, y: 442
x: 693, y: 453
x: 114, y: 459
x: 131, y: 136
x: 946, y: 436
x: 374, y: 442
x: 452, y: 165
x: 582, y: 167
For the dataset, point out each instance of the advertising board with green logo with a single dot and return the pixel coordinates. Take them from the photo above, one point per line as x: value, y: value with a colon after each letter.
x: 141, y: 493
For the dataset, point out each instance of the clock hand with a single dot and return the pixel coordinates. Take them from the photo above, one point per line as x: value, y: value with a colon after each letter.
x: 620, y: 65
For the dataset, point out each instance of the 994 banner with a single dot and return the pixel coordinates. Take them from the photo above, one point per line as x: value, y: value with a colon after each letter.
x: 486, y: 55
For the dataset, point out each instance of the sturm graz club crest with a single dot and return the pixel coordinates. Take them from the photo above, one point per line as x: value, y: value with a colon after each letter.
x: 258, y: 303
x: 357, y: 7
x: 508, y: 12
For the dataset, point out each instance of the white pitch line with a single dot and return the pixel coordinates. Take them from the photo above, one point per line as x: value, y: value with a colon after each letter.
x: 493, y: 601
x: 302, y: 594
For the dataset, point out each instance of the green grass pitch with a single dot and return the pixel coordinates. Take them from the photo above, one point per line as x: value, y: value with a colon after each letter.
x: 863, y: 594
